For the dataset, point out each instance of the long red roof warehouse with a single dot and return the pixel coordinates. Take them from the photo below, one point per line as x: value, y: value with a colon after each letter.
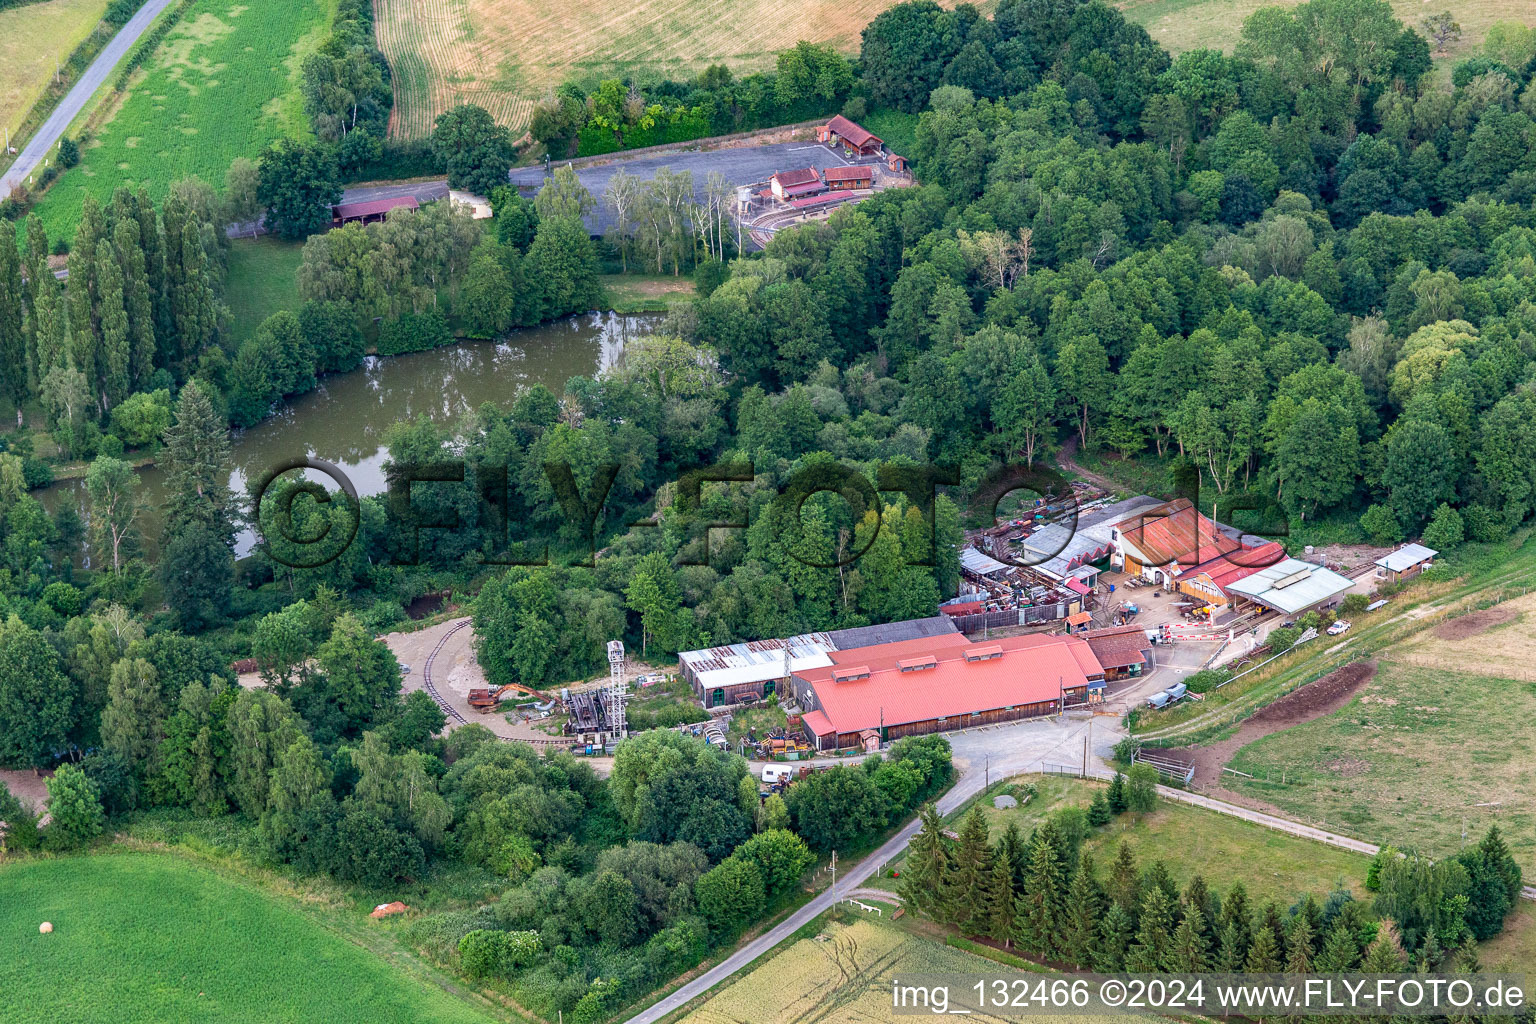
x: 1176, y: 532
x: 799, y: 176
x: 866, y: 686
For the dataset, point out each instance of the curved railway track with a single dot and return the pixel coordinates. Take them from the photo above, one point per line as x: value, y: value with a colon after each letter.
x: 426, y: 675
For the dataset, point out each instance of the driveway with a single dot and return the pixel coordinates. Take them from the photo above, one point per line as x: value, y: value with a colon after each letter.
x: 46, y: 137
x: 746, y: 165
x: 992, y: 752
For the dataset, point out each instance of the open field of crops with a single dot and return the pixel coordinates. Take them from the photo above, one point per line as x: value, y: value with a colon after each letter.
x: 144, y: 937
x: 222, y: 85
x: 31, y: 39
x: 1181, y: 25
x: 505, y: 55
x: 841, y: 976
x: 1420, y: 756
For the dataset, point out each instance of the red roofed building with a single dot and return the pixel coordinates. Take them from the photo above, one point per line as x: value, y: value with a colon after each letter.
x: 849, y: 177
x: 1208, y: 580
x: 1122, y: 650
x: 787, y: 185
x: 934, y: 684
x: 841, y: 131
x: 373, y: 210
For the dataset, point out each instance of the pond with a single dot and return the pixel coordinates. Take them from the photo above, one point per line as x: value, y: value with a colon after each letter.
x: 344, y: 420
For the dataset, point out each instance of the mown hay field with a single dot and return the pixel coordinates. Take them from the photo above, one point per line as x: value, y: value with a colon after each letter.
x: 1181, y: 25
x: 223, y: 84
x: 31, y: 39
x: 1421, y: 756
x: 141, y: 937
x: 843, y: 976
x: 506, y: 55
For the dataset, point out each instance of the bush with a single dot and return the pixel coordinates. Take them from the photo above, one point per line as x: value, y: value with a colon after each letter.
x: 1445, y: 530
x: 1283, y: 638
x: 856, y: 109
x: 1354, y: 604
x: 120, y: 12
x: 1126, y: 749
x: 1207, y: 680
x: 69, y: 152
x: 1381, y: 525
x: 1141, y: 788
x: 414, y: 332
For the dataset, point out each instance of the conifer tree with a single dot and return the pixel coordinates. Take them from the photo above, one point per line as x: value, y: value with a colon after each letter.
x: 80, y: 296
x: 1124, y: 886
x: 1098, y: 811
x: 1298, y: 945
x: 1263, y: 953
x: 1340, y: 951
x: 1230, y: 950
x: 1116, y: 795
x: 1190, y: 952
x: 152, y: 242
x: 1085, y: 905
x: 1430, y: 953
x: 1269, y: 917
x: 1003, y: 917
x: 1012, y: 849
x: 196, y: 453
x: 1115, y: 934
x: 927, y: 865
x: 1236, y: 913
x: 1199, y: 895
x: 1042, y: 906
x: 1154, y: 939
x: 970, y: 877
x: 1385, y: 955
x: 1157, y: 876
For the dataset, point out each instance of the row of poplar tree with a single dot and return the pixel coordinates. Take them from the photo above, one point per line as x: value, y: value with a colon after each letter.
x: 1046, y: 897
x: 141, y: 305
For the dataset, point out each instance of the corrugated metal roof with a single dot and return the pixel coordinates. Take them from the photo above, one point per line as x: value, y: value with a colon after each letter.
x: 891, y: 632
x: 1406, y: 557
x: 979, y: 562
x: 373, y: 207
x: 1301, y: 585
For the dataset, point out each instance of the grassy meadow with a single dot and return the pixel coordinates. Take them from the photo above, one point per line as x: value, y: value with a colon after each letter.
x: 1181, y: 25
x: 31, y: 39
x: 142, y: 937
x: 1420, y: 755
x: 506, y: 55
x: 263, y: 279
x: 223, y: 84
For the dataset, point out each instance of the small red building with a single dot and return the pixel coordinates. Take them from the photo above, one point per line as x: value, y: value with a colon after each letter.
x: 849, y: 177
x: 842, y: 132
x: 787, y: 185
x: 371, y: 211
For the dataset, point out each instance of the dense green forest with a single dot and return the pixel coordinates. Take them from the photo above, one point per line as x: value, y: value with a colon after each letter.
x: 1304, y: 271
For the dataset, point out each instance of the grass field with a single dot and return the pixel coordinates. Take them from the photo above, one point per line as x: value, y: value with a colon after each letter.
x: 1190, y: 841
x: 506, y: 55
x: 263, y: 278
x: 142, y: 937
x: 31, y: 39
x: 1181, y: 25
x: 842, y: 975
x: 645, y: 293
x: 1418, y: 756
x: 222, y: 85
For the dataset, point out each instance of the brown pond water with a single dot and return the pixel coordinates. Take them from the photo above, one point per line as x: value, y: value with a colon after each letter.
x: 343, y: 421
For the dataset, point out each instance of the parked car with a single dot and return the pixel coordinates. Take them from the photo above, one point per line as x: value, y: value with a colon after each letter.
x: 1342, y: 626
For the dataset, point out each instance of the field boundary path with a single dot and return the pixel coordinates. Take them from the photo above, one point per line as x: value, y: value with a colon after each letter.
x: 74, y: 101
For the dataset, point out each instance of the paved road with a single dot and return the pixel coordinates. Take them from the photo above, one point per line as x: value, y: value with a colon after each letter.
x: 992, y: 752
x: 32, y: 154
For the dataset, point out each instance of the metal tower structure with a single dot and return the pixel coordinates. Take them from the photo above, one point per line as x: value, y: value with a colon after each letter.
x: 618, y: 690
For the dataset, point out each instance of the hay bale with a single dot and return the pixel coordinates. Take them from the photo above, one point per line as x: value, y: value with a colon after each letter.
x: 46, y: 927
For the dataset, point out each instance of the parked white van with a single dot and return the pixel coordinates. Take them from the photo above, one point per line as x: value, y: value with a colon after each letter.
x: 773, y: 773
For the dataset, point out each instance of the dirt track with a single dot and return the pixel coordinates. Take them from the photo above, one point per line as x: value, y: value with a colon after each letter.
x: 1312, y: 701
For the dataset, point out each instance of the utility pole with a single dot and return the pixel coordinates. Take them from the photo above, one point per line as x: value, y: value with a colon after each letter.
x: 834, y: 878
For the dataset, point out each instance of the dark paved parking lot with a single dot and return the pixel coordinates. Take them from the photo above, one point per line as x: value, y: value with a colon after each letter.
x: 742, y: 166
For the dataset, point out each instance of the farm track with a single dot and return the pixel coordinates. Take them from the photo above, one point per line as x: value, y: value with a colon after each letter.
x: 426, y: 675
